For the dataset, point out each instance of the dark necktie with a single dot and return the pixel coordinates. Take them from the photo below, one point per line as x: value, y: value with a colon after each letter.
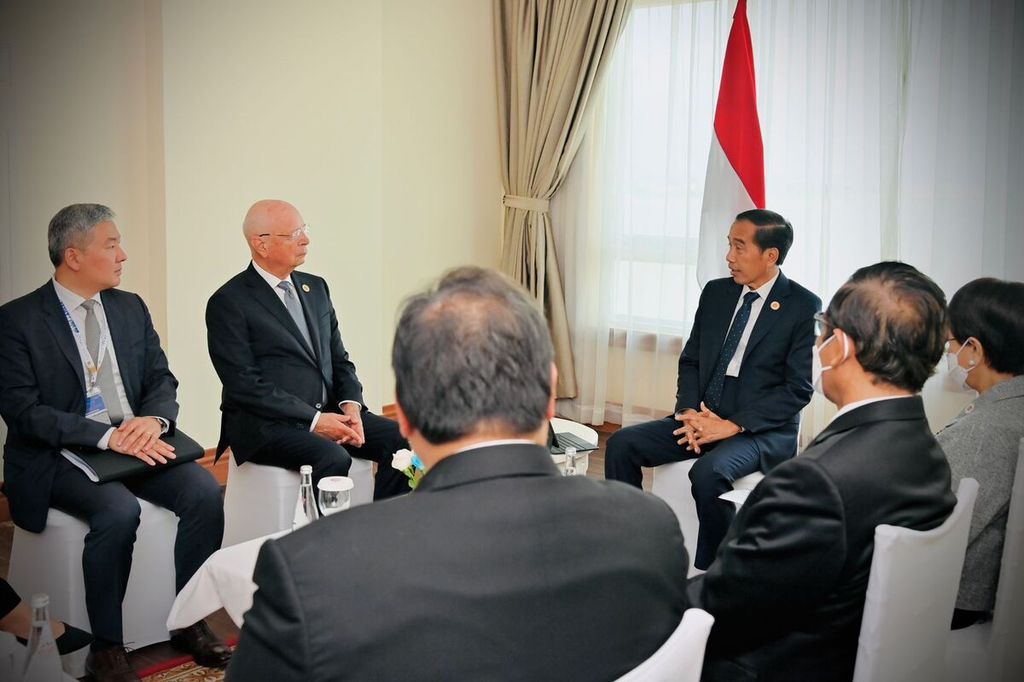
x: 105, y: 380
x: 295, y: 310
x: 713, y: 395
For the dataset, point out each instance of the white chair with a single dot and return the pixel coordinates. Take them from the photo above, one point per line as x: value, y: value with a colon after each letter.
x: 672, y: 484
x: 910, y: 596
x: 681, y: 657
x: 260, y: 500
x: 992, y: 651
x: 51, y: 562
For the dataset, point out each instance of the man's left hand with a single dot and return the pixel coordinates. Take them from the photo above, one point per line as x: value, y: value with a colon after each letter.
x: 352, y: 414
x: 139, y: 433
x: 708, y: 427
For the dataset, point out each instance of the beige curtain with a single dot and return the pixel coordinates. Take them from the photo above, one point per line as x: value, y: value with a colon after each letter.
x: 550, y: 54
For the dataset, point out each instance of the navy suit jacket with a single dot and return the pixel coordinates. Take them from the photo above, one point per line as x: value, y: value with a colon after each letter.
x: 494, y: 568
x: 775, y: 374
x: 42, y: 388
x: 272, y: 379
x: 787, y: 586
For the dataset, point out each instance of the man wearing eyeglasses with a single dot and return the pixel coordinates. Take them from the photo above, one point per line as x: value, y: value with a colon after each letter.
x: 291, y: 395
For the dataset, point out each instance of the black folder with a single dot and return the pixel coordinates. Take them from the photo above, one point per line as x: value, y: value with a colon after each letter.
x: 102, y: 466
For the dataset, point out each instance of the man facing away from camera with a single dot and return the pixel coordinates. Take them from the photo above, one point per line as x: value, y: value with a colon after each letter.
x: 495, y: 567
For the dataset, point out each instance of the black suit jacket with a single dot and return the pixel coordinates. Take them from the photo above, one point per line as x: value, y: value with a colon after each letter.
x: 495, y: 568
x: 775, y: 374
x: 787, y: 586
x: 42, y: 388
x: 272, y: 379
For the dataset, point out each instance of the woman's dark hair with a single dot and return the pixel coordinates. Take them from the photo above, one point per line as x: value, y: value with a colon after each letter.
x: 992, y: 311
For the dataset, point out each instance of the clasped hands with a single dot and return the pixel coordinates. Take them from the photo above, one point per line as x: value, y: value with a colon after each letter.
x: 140, y: 437
x: 702, y: 428
x: 345, y: 428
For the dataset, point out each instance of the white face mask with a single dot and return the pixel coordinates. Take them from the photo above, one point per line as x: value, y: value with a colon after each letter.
x: 956, y: 375
x: 816, y: 369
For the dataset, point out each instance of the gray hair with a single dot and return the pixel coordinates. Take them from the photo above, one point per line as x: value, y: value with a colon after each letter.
x: 71, y: 227
x: 470, y: 353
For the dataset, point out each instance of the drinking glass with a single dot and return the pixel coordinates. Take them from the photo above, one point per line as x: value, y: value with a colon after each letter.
x: 335, y: 494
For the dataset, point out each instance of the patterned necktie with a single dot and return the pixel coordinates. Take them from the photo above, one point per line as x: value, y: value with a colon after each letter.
x: 105, y: 380
x: 713, y: 395
x: 295, y: 310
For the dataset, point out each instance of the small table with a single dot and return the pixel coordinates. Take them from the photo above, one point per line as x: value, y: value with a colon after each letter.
x: 579, y: 430
x: 224, y: 580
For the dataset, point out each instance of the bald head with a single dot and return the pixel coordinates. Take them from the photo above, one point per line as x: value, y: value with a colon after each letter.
x: 267, y: 215
x: 276, y: 235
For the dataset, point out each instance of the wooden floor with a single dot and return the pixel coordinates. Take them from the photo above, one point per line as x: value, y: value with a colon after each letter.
x: 220, y: 622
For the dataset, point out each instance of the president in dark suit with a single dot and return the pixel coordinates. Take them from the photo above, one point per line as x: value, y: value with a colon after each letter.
x: 787, y: 587
x: 291, y: 395
x: 495, y: 567
x: 744, y: 376
x: 82, y: 366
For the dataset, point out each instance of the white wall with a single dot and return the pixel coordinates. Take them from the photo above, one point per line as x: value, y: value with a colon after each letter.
x: 376, y: 119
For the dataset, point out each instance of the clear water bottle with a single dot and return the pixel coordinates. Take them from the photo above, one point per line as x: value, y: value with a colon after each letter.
x: 42, y: 662
x: 570, y: 461
x: 305, y: 507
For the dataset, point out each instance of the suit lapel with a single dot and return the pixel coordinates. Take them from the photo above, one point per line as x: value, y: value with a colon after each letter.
x: 58, y: 325
x: 771, y: 311
x: 266, y: 297
x: 118, y: 344
x: 720, y: 319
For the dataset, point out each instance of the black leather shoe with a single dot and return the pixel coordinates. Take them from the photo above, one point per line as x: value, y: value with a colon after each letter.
x: 73, y: 639
x: 110, y: 665
x: 206, y: 648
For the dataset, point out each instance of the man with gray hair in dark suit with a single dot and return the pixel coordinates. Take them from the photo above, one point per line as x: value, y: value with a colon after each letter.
x: 495, y: 567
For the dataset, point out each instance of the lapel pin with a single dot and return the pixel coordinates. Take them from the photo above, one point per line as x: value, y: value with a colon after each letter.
x: 775, y: 305
x: 305, y: 287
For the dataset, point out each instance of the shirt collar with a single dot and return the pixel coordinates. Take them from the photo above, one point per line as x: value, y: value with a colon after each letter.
x: 764, y: 289
x: 504, y: 441
x: 70, y: 299
x: 861, y: 403
x: 272, y: 280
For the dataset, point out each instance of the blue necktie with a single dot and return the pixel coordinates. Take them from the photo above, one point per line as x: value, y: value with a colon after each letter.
x: 713, y: 396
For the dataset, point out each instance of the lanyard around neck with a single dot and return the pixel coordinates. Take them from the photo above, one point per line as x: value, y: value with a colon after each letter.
x: 92, y: 369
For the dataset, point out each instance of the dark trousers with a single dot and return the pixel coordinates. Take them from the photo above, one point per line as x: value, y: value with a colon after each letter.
x: 112, y: 512
x: 652, y: 444
x: 291, y: 448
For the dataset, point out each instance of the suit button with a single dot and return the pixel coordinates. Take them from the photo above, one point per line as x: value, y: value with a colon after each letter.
x: 318, y: 406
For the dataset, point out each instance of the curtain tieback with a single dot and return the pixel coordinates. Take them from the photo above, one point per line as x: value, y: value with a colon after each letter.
x: 526, y: 203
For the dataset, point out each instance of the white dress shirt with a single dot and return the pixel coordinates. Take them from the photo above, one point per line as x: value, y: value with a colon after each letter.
x: 849, y: 407
x: 73, y: 303
x: 733, y: 370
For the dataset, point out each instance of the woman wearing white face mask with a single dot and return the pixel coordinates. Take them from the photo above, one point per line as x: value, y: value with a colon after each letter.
x: 985, y: 352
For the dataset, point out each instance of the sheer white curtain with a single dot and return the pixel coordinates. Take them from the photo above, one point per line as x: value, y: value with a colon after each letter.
x: 887, y: 129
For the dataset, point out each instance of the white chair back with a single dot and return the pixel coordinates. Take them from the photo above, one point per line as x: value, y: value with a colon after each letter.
x: 1006, y: 654
x: 911, y: 592
x: 681, y: 657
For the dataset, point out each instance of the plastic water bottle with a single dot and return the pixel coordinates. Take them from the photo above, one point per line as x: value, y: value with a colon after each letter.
x: 570, y: 461
x: 305, y: 507
x: 42, y: 662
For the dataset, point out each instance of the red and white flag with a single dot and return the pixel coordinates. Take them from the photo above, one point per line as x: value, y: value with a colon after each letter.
x: 735, y: 176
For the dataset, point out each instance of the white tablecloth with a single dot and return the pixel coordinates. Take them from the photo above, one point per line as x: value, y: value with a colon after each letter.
x: 224, y: 580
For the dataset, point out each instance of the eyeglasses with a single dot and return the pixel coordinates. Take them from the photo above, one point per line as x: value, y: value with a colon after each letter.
x: 820, y: 324
x: 293, y: 235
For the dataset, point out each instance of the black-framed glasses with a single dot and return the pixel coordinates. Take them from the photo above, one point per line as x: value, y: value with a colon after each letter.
x: 293, y: 235
x: 820, y: 323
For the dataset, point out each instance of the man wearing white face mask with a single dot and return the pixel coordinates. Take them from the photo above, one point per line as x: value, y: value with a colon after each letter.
x: 787, y: 586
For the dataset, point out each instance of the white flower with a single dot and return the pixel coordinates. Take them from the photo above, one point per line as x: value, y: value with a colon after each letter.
x: 402, y: 459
